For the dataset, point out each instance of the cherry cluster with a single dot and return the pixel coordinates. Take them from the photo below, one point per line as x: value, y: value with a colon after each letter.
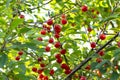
x: 20, y: 53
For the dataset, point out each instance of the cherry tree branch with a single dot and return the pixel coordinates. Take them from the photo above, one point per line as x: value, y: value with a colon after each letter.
x: 89, y: 58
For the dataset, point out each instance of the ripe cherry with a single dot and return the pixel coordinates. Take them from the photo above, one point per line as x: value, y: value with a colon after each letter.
x: 45, y: 78
x: 52, y: 71
x: 84, y: 8
x: 118, y: 43
x: 22, y: 16
x: 51, y: 40
x: 89, y: 29
x: 63, y: 51
x: 67, y: 71
x: 63, y: 21
x: 20, y: 52
x: 65, y: 66
x: 50, y: 22
x: 57, y: 56
x: 59, y: 60
x: 41, y: 76
x: 42, y: 65
x: 57, y: 35
x: 57, y: 28
x: 34, y: 69
x: 83, y: 78
x: 57, y: 44
x: 88, y: 67
x: 102, y: 36
x: 98, y: 60
x: 17, y: 58
x: 92, y: 10
x: 93, y: 44
x: 43, y: 32
x: 101, y: 52
x: 97, y: 12
x: 47, y: 48
x: 39, y: 59
x: 39, y: 39
x: 63, y: 16
x: 40, y: 71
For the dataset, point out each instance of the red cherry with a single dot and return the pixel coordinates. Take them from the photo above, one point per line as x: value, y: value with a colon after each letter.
x: 40, y: 59
x: 47, y: 48
x: 40, y: 71
x: 65, y: 66
x: 57, y: 56
x: 84, y: 8
x: 101, y: 52
x: 93, y: 44
x: 63, y: 21
x: 41, y: 76
x: 34, y: 69
x: 59, y: 60
x: 67, y: 71
x: 50, y: 22
x: 57, y: 44
x: 118, y: 43
x: 22, y: 16
x: 57, y: 28
x: 97, y: 12
x: 88, y: 67
x: 83, y: 78
x: 52, y: 72
x: 45, y: 78
x: 39, y: 39
x: 102, y: 36
x: 51, y: 40
x: 56, y: 35
x: 43, y: 32
x: 63, y: 51
x: 92, y: 10
x: 17, y: 58
x: 20, y: 52
x: 89, y: 29
x: 42, y: 65
x: 98, y: 60
x: 63, y: 16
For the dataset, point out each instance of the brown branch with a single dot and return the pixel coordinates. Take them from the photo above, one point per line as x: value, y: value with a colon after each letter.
x: 89, y: 58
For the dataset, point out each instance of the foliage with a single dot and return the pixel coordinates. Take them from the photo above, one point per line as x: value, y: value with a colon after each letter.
x: 21, y: 22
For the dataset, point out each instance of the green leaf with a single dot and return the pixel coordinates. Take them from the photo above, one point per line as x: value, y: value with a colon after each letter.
x: 2, y: 34
x: 116, y: 52
x: 3, y: 77
x: 110, y: 48
x: 15, y: 23
x: 114, y: 76
x: 8, y: 2
x: 21, y: 68
x: 24, y: 30
x: 110, y: 18
x: 3, y: 60
x: 93, y: 65
x: 100, y: 64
